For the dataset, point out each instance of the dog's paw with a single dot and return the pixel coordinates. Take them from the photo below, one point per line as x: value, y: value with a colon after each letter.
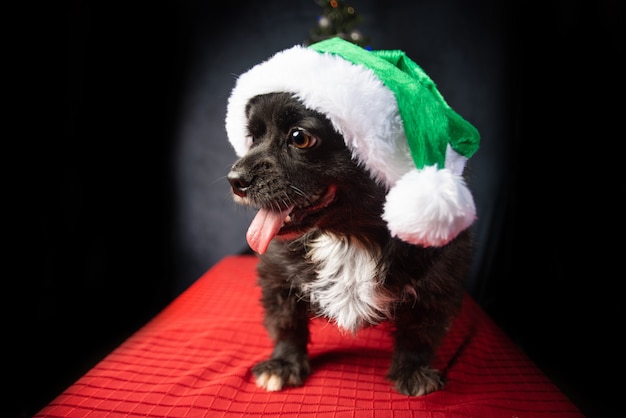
x: 419, y: 382
x: 273, y: 375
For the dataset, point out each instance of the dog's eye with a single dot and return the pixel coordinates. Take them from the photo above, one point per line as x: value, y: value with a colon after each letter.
x: 301, y: 138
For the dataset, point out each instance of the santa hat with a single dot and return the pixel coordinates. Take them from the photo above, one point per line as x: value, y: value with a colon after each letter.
x: 393, y: 119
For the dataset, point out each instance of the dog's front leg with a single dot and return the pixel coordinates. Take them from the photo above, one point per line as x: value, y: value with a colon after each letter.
x: 286, y: 319
x: 417, y: 334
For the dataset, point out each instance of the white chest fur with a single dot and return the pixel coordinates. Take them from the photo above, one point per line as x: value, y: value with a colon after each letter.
x: 348, y: 286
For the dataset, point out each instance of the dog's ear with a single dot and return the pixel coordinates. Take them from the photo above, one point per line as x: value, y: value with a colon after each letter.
x: 256, y: 119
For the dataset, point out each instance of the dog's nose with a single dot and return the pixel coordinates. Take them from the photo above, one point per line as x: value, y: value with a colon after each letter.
x: 239, y: 183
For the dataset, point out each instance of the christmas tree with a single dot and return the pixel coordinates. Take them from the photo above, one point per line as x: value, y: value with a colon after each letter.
x: 337, y: 19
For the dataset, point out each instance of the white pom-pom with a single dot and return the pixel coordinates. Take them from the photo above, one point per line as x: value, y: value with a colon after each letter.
x: 429, y: 207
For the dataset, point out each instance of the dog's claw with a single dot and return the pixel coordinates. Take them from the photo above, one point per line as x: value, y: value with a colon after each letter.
x: 269, y: 382
x: 419, y: 383
x: 273, y: 375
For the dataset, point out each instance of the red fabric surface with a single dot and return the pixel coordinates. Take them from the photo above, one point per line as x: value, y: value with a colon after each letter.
x: 194, y: 359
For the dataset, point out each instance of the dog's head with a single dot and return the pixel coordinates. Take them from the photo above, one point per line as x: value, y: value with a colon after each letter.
x: 300, y: 175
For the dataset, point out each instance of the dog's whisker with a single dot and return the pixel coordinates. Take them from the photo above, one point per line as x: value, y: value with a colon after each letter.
x: 308, y: 198
x: 286, y: 202
x: 298, y: 191
x: 219, y: 179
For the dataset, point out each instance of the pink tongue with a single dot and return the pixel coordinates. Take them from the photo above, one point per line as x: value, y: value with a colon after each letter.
x: 264, y: 228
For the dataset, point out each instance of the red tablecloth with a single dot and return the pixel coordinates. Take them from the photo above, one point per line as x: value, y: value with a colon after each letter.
x: 194, y: 359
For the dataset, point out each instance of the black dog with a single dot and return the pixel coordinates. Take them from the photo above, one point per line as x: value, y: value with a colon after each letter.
x: 333, y: 255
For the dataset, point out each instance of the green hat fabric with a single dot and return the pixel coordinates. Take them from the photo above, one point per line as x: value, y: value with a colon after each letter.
x: 429, y: 123
x: 394, y: 121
